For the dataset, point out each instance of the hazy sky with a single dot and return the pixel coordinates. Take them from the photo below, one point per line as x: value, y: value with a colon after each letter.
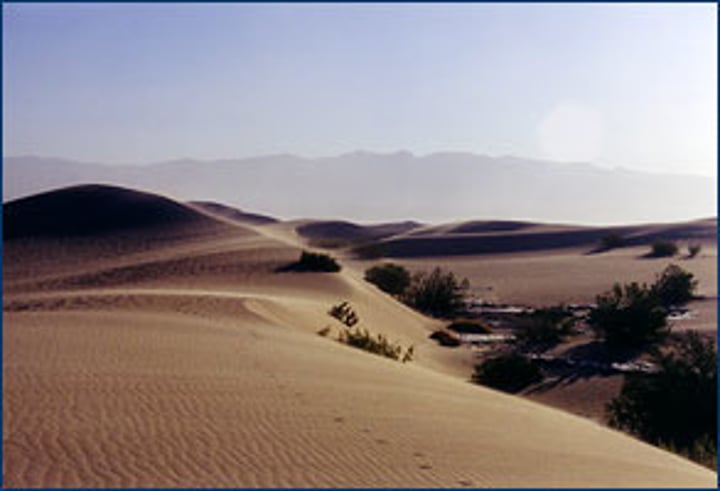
x: 617, y: 84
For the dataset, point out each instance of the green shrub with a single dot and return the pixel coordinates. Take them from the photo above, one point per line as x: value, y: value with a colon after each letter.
x: 629, y: 316
x: 324, y: 331
x: 674, y: 286
x: 378, y: 344
x: 509, y: 373
x: 390, y: 278
x: 312, y: 262
x: 663, y: 248
x: 438, y: 293
x: 677, y: 407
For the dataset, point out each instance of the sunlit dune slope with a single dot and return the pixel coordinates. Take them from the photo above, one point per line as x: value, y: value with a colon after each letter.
x: 192, y: 362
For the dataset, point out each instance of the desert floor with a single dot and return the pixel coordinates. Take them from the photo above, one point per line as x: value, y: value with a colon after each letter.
x: 188, y: 361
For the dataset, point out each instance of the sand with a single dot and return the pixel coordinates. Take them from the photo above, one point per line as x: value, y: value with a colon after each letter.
x: 191, y: 363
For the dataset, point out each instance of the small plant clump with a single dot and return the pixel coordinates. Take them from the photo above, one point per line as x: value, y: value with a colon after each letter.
x: 324, y: 331
x: 674, y: 286
x: 469, y: 326
x: 344, y: 313
x: 390, y: 278
x: 694, y: 250
x: 446, y: 339
x: 312, y: 262
x: 663, y: 248
x: 438, y: 293
x: 509, y: 373
x: 377, y: 344
x: 611, y: 241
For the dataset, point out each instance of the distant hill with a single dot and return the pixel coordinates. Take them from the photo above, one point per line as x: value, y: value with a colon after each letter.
x: 89, y: 210
x: 369, y: 187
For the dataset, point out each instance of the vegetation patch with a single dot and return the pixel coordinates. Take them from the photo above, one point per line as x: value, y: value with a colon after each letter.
x: 312, y: 262
x: 674, y: 286
x: 344, y: 313
x: 663, y: 248
x: 543, y: 330
x: 377, y: 344
x: 469, y: 326
x: 694, y: 250
x: 390, y: 278
x: 509, y: 373
x: 677, y: 407
x: 438, y: 293
x: 446, y: 339
x: 611, y: 241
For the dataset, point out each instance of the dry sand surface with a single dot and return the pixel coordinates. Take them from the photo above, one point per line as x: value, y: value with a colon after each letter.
x: 190, y: 362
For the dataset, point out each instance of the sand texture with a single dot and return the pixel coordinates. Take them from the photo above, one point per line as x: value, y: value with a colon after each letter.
x: 179, y: 357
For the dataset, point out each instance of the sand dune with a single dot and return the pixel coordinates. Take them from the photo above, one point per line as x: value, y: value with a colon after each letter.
x: 190, y: 362
x: 472, y: 238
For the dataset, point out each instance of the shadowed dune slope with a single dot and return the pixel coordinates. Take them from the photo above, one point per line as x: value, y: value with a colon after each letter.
x: 240, y: 216
x: 512, y: 237
x: 193, y: 364
x: 337, y: 230
x: 93, y: 210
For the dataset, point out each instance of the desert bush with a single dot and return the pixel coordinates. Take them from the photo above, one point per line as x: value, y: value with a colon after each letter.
x: 439, y: 293
x: 694, y: 249
x: 629, y: 315
x: 313, y: 262
x: 611, y: 241
x: 378, y: 344
x: 543, y: 329
x: 676, y: 407
x: 390, y: 278
x: 469, y: 326
x: 446, y: 339
x: 344, y: 313
x: 663, y: 248
x: 324, y: 331
x: 674, y: 286
x: 509, y: 373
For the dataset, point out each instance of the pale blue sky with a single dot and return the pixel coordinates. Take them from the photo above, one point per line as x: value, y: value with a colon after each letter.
x: 617, y: 84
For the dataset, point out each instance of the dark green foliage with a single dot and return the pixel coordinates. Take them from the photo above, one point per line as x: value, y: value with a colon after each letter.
x: 446, y: 339
x: 344, y: 313
x: 663, y: 248
x: 677, y: 407
x: 611, y: 241
x: 378, y: 344
x: 674, y: 286
x: 629, y: 316
x: 438, y: 293
x: 543, y: 329
x: 390, y: 278
x: 313, y: 262
x: 469, y: 326
x: 694, y: 249
x: 509, y: 373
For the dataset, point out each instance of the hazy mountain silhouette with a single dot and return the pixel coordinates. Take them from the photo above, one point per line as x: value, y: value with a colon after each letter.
x: 373, y: 187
